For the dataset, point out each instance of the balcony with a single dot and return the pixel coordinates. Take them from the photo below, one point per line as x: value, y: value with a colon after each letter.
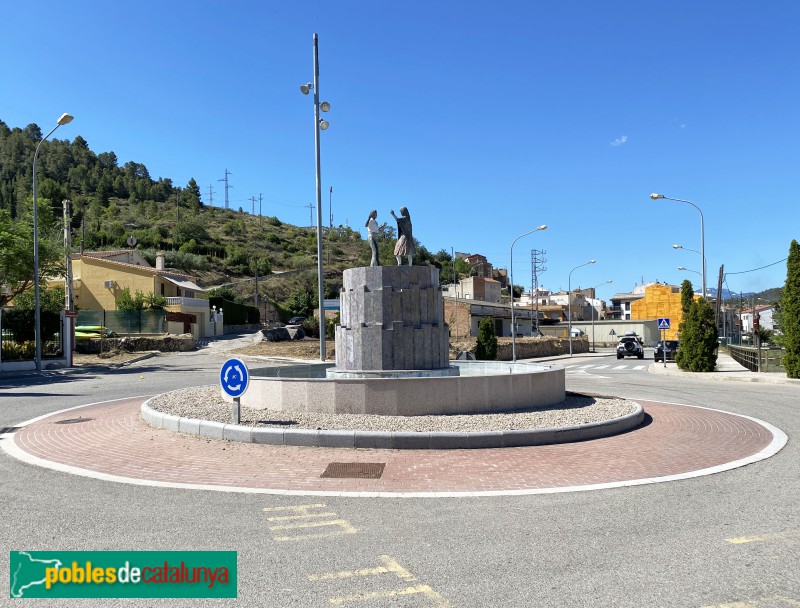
x: 193, y: 302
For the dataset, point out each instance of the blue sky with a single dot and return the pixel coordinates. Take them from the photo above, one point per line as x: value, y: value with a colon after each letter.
x: 484, y: 119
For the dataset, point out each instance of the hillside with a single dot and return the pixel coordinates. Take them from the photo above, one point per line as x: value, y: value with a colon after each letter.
x: 218, y: 246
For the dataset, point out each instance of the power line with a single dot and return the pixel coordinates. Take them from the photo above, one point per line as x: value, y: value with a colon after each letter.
x: 762, y: 267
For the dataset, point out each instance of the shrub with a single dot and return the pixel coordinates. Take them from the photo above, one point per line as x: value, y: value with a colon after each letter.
x: 698, y: 351
x: 486, y: 349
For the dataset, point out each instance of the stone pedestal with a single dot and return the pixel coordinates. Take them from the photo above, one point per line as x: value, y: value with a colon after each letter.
x: 392, y: 318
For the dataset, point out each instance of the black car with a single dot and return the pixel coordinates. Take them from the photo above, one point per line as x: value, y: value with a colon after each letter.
x: 296, y: 321
x: 671, y: 349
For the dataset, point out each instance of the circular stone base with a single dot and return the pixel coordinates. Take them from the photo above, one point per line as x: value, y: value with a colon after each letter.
x: 393, y: 373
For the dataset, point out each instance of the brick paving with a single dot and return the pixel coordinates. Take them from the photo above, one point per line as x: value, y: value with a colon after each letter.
x: 112, y: 439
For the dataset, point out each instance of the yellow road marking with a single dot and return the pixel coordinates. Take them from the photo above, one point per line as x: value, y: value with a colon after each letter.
x: 438, y: 600
x: 390, y: 567
x: 784, y: 601
x: 301, y: 509
x: 306, y: 512
x: 296, y: 517
x: 740, y: 540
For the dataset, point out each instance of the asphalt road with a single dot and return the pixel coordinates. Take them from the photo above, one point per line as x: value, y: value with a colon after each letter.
x: 709, y: 541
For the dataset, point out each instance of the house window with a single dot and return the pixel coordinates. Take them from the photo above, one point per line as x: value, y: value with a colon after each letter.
x: 628, y: 307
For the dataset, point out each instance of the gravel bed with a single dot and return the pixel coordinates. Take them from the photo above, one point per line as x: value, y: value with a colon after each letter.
x: 206, y: 403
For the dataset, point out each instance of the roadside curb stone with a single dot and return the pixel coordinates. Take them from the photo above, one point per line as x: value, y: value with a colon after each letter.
x: 400, y: 440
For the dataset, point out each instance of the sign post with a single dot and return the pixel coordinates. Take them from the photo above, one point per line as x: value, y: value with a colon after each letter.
x: 663, y: 325
x: 234, y: 379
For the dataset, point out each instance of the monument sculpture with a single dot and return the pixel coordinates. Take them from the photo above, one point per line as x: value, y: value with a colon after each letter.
x: 405, y: 238
x: 372, y: 228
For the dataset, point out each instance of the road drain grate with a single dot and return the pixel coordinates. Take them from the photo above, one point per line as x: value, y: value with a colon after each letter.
x: 354, y: 470
x: 73, y: 420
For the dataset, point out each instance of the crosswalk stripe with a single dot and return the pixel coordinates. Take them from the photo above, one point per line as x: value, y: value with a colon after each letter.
x: 601, y: 366
x: 640, y: 367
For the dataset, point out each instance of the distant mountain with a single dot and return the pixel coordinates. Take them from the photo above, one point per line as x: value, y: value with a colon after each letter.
x: 771, y: 295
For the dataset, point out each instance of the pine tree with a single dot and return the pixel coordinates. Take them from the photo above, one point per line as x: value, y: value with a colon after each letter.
x: 790, y: 312
x: 486, y: 349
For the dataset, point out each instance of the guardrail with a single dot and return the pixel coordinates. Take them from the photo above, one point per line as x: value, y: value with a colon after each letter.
x: 748, y: 356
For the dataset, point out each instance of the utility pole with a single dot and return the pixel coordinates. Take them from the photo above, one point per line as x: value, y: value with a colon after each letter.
x: 260, y: 197
x: 256, y: 282
x: 69, y: 303
x: 227, y: 185
x: 537, y: 267
x: 210, y: 195
x: 83, y: 231
x: 330, y: 208
x: 252, y: 205
x: 311, y: 214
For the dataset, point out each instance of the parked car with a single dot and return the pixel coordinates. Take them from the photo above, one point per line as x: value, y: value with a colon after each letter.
x: 630, y: 345
x: 671, y: 349
x: 296, y: 321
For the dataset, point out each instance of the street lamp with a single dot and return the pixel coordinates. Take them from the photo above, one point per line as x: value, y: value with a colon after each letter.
x: 319, y: 123
x: 569, y: 301
x: 595, y: 287
x: 688, y: 270
x: 702, y: 251
x: 37, y: 311
x: 511, y: 291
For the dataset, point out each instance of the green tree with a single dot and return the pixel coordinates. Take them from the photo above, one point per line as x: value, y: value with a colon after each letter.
x: 698, y: 349
x: 687, y: 297
x: 301, y: 304
x: 790, y: 312
x: 486, y: 349
x: 16, y: 251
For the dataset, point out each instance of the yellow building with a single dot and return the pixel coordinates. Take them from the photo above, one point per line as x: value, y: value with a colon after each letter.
x: 660, y: 301
x: 99, y: 278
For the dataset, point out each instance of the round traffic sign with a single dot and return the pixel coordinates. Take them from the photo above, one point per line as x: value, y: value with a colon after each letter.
x: 234, y: 377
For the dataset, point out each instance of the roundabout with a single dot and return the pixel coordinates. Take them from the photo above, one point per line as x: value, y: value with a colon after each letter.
x: 110, y: 441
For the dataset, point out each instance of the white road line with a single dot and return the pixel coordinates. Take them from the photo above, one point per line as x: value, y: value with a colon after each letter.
x: 640, y: 367
x: 601, y: 366
x: 621, y: 367
x: 779, y: 440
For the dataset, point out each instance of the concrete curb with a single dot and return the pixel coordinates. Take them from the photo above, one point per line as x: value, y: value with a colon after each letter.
x: 392, y: 440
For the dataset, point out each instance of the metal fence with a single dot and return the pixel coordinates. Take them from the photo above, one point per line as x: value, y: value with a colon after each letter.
x: 771, y: 358
x: 125, y: 322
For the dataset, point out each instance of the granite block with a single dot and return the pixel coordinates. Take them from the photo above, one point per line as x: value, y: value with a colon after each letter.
x: 304, y: 437
x: 211, y: 429
x: 373, y: 439
x: 337, y: 439
x: 268, y: 436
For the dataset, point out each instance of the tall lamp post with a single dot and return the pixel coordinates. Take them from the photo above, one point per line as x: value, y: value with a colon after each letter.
x: 656, y: 196
x: 37, y: 310
x: 322, y: 124
x: 569, y: 301
x: 511, y: 290
x: 595, y: 287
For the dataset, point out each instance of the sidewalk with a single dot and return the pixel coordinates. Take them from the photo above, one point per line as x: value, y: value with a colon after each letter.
x: 727, y: 369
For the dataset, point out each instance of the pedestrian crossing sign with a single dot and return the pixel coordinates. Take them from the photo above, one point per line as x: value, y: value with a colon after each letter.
x: 663, y: 323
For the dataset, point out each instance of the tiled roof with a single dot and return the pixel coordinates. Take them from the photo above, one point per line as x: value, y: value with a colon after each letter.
x: 166, y: 271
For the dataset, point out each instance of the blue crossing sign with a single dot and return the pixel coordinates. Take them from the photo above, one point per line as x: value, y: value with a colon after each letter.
x: 663, y: 323
x: 234, y: 377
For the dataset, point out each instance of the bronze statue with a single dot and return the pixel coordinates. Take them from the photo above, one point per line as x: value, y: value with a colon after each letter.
x: 405, y: 239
